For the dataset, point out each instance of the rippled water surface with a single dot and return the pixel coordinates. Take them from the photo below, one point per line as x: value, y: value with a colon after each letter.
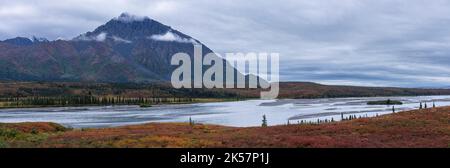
x: 240, y: 114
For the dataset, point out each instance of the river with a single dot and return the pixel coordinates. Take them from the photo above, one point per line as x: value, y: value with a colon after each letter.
x: 238, y: 114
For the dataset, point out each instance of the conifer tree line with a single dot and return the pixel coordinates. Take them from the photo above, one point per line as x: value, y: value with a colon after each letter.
x: 332, y: 120
x: 86, y: 100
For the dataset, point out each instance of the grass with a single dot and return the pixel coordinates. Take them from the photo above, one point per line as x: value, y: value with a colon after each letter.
x: 419, y: 128
x: 27, y: 134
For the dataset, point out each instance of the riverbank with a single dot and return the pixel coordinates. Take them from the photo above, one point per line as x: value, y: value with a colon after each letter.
x: 417, y: 128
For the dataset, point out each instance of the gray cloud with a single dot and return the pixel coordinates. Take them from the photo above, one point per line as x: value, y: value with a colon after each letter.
x: 358, y: 42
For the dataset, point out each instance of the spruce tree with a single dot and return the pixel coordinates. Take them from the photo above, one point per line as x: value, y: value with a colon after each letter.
x: 191, y: 123
x: 264, y: 121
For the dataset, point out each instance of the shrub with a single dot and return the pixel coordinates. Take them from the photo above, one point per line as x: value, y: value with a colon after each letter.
x: 8, y: 133
x: 34, y: 131
x: 2, y: 144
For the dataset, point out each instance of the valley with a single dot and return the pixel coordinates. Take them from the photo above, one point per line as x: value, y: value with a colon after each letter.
x: 113, y: 86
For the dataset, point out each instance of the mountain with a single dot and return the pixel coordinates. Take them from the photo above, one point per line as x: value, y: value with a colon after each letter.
x: 20, y: 41
x: 127, y: 48
x: 23, y: 41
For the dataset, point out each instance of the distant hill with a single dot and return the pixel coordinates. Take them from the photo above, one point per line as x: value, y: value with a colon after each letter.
x: 127, y: 48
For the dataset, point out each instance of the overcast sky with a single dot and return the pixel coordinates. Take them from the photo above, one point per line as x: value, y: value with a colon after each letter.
x: 353, y: 42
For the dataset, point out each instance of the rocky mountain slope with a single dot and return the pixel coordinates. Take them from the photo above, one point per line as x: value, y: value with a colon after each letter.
x: 127, y: 48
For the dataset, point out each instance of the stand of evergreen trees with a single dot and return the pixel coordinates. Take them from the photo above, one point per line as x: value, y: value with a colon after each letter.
x: 86, y: 100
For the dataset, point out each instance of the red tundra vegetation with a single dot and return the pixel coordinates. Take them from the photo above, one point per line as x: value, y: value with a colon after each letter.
x: 418, y: 128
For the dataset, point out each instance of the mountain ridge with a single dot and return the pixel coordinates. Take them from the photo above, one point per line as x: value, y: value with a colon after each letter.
x: 127, y: 48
